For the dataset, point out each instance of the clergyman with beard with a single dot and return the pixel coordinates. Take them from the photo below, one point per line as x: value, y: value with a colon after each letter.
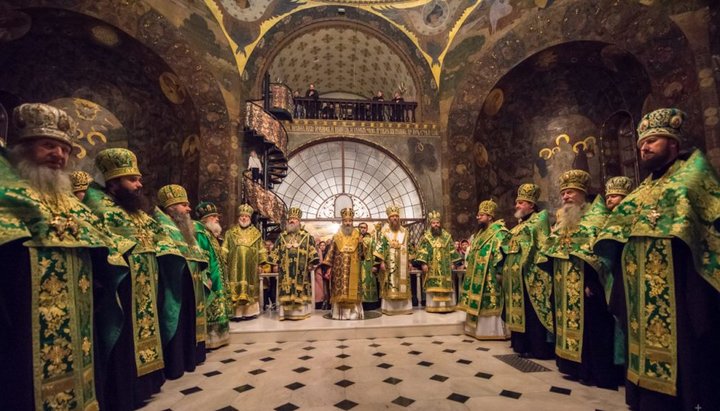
x: 174, y: 215
x: 482, y: 296
x: 295, y: 256
x: 60, y: 315
x: 391, y: 256
x: 436, y: 255
x: 585, y: 329
x: 244, y: 252
x: 528, y: 288
x: 344, y: 258
x: 133, y: 375
x: 207, y: 231
x: 661, y: 242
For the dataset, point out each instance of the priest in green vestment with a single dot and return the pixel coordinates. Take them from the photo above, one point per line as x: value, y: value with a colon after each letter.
x: 436, y: 256
x: 344, y: 256
x: 60, y: 317
x: 295, y: 256
x: 584, y: 327
x: 391, y: 254
x: 175, y: 219
x: 662, y: 243
x: 207, y: 231
x: 244, y: 252
x: 135, y: 371
x: 528, y: 288
x: 482, y: 296
x: 370, y: 297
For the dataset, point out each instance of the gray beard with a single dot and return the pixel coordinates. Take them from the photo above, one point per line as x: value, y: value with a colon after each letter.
x: 185, y: 224
x: 214, y: 228
x: 43, y: 179
x: 292, y: 228
x: 520, y: 214
x: 569, y: 217
x: 347, y: 231
x: 244, y: 225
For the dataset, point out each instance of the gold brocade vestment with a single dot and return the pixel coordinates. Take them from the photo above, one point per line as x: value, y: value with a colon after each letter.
x: 344, y: 256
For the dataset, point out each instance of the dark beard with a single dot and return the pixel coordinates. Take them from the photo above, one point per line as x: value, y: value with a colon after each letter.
x: 185, y: 224
x: 482, y: 225
x: 132, y: 201
x: 656, y: 163
x: 435, y: 231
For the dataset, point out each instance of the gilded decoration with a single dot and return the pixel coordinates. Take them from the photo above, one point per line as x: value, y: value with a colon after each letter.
x: 361, y: 128
x: 264, y: 124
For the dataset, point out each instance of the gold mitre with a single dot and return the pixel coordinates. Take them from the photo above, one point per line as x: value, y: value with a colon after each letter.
x: 37, y: 120
x: 117, y: 162
x: 577, y: 179
x: 172, y: 194
x: 392, y: 210
x: 620, y: 185
x: 664, y: 122
x: 528, y: 192
x: 488, y: 207
x: 245, y: 209
x: 80, y: 181
x: 433, y: 216
x: 294, y: 212
x: 347, y: 212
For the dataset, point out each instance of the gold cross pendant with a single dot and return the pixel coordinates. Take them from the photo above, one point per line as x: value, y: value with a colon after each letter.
x: 653, y: 216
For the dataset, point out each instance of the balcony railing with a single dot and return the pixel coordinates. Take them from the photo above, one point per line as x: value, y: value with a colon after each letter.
x: 266, y: 126
x: 364, y: 110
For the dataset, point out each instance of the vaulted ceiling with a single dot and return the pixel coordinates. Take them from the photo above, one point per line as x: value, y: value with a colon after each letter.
x: 342, y: 59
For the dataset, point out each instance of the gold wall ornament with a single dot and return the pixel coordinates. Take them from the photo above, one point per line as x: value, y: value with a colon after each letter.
x: 190, y: 145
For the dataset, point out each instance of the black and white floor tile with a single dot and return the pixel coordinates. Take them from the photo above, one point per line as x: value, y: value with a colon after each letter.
x: 420, y: 373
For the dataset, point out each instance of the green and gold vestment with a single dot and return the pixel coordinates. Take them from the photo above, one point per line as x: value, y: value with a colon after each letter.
x: 520, y: 269
x: 439, y: 253
x: 196, y: 261
x: 294, y: 254
x: 218, y: 326
x: 482, y: 295
x: 570, y: 251
x: 683, y: 204
x: 243, y: 250
x: 369, y: 282
x: 70, y: 252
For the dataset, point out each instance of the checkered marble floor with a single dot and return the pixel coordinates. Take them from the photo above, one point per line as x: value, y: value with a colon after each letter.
x: 424, y: 373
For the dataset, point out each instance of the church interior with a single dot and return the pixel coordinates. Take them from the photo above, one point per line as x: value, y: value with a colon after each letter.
x: 323, y: 106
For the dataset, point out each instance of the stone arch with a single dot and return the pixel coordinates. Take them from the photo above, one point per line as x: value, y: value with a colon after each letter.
x: 658, y: 42
x: 285, y: 30
x: 363, y: 168
x: 217, y: 172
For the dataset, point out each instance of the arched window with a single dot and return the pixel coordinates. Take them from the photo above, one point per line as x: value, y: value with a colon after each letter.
x: 325, y: 177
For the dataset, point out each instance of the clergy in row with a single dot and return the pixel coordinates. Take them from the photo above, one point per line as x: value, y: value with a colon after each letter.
x: 295, y: 256
x: 482, y: 296
x: 436, y: 256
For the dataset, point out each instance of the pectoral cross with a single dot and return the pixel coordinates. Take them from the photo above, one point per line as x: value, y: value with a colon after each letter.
x: 653, y: 216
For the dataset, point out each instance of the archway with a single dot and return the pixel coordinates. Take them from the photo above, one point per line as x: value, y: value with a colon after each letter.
x: 325, y: 174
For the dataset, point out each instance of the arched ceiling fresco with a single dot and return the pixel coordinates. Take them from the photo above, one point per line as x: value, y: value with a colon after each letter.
x: 430, y: 24
x: 341, y: 59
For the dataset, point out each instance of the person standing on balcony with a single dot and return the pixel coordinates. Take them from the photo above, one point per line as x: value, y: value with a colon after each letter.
x: 312, y: 108
x: 376, y: 111
x: 398, y: 109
